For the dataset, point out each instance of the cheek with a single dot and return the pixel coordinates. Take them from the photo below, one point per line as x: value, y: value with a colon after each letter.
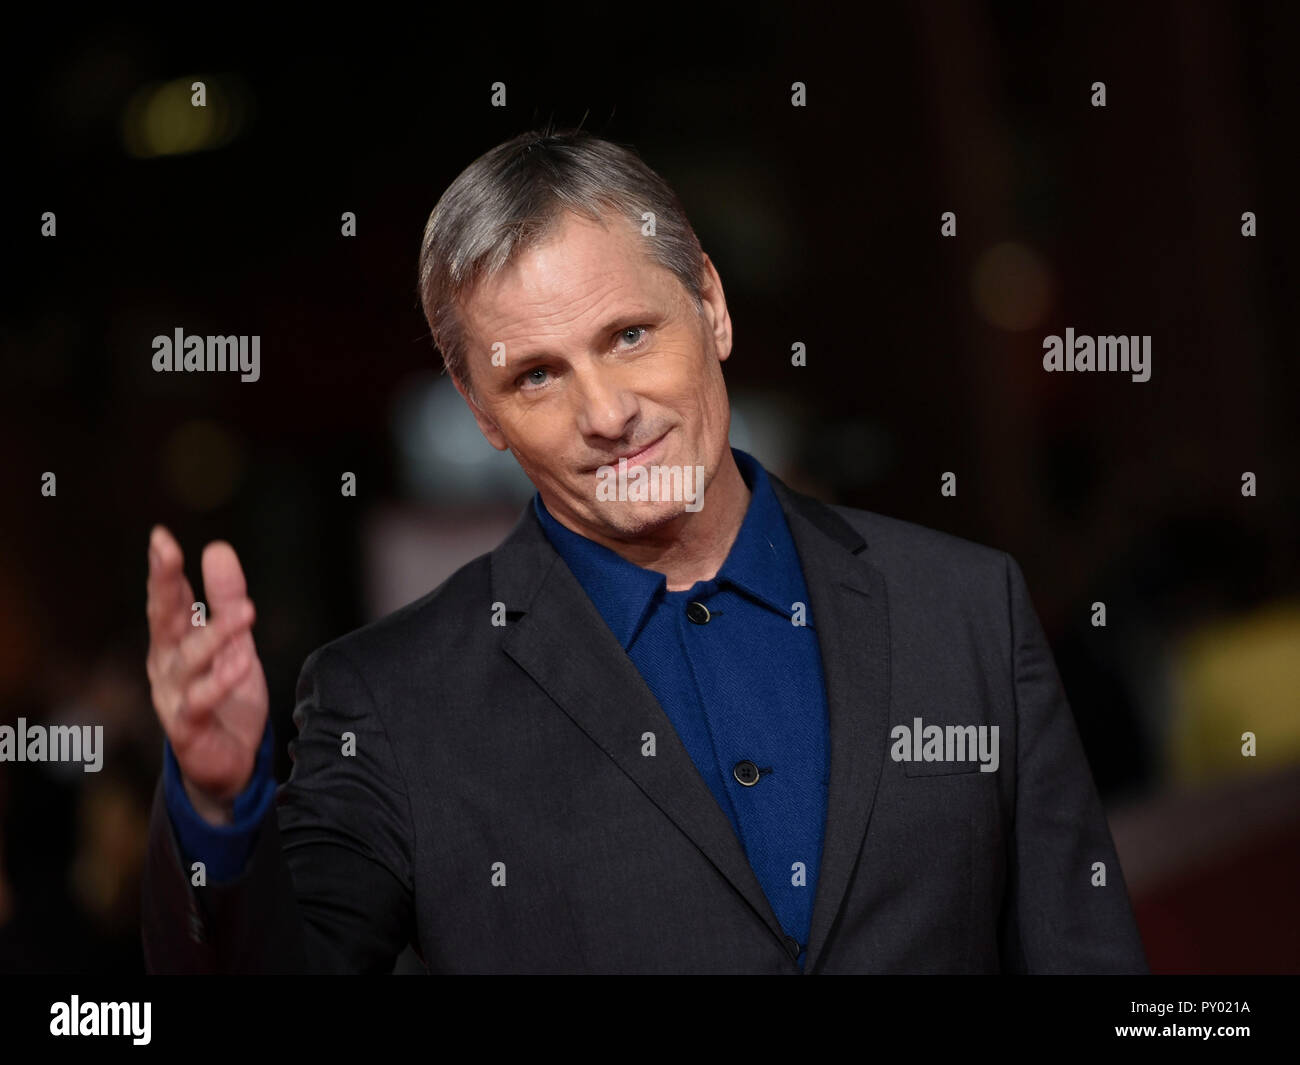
x: 542, y: 443
x: 536, y: 428
x: 680, y: 371
x: 710, y: 391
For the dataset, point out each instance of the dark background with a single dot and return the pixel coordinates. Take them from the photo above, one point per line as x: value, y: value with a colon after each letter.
x: 924, y: 356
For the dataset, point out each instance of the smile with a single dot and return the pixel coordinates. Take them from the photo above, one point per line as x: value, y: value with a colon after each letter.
x: 650, y: 451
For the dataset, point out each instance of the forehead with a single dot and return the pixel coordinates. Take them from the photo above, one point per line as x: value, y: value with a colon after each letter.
x: 579, y: 267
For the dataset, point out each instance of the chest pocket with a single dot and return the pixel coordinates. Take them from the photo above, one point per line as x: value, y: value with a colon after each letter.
x: 940, y: 769
x: 962, y: 748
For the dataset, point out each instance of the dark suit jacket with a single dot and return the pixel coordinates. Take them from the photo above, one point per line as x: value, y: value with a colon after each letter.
x: 478, y: 744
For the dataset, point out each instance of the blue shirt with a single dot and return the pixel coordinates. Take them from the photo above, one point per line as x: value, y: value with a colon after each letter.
x: 751, y: 691
x: 752, y: 697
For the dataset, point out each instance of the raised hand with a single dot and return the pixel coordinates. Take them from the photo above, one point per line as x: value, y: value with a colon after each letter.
x: 208, y: 686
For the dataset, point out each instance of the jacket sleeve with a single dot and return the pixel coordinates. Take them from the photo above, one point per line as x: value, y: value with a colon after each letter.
x: 224, y: 850
x: 328, y: 886
x: 1058, y: 918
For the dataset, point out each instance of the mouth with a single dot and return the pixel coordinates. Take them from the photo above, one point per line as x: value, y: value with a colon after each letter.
x: 638, y: 457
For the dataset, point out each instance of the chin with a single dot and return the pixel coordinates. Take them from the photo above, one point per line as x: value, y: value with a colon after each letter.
x: 638, y: 518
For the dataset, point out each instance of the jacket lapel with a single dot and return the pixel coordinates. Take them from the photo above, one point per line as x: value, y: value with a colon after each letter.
x: 851, y: 611
x: 556, y: 635
x: 563, y: 643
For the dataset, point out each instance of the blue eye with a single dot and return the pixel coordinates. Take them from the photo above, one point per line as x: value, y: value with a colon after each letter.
x: 638, y: 332
x: 527, y: 376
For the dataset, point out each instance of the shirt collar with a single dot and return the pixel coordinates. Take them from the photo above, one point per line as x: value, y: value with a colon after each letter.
x: 762, y: 562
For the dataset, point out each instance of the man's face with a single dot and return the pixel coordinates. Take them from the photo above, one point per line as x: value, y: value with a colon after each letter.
x: 604, y: 354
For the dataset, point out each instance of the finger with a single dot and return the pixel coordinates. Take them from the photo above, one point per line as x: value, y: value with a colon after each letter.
x: 197, y: 650
x: 223, y: 578
x: 196, y: 658
x: 172, y: 671
x: 211, y: 688
x: 239, y: 644
x: 169, y: 595
x: 175, y: 621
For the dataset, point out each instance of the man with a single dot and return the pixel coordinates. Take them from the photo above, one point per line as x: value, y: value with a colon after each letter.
x: 683, y: 719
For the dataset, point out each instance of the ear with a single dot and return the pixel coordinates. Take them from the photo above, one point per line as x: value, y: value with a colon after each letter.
x: 486, y: 425
x: 714, y: 307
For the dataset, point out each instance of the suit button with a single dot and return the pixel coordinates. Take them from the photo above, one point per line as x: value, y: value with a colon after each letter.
x: 746, y: 773
x: 792, y: 947
x: 698, y: 613
x: 196, y: 928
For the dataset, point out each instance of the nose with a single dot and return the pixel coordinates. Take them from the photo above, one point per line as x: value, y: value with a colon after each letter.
x: 606, y: 407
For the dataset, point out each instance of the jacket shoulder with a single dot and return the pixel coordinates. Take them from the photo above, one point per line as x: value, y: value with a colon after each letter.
x: 905, y: 549
x: 441, y: 622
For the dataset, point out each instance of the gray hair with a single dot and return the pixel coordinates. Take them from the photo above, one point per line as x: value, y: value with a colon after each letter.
x: 510, y: 198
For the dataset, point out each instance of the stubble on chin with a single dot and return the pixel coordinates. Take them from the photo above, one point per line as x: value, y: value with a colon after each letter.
x: 632, y: 521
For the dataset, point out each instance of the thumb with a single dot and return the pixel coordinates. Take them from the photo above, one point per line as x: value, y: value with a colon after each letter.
x: 223, y: 579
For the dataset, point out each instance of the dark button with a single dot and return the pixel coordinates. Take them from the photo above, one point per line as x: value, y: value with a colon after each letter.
x: 698, y: 613
x: 746, y: 773
x: 792, y: 945
x: 196, y: 929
